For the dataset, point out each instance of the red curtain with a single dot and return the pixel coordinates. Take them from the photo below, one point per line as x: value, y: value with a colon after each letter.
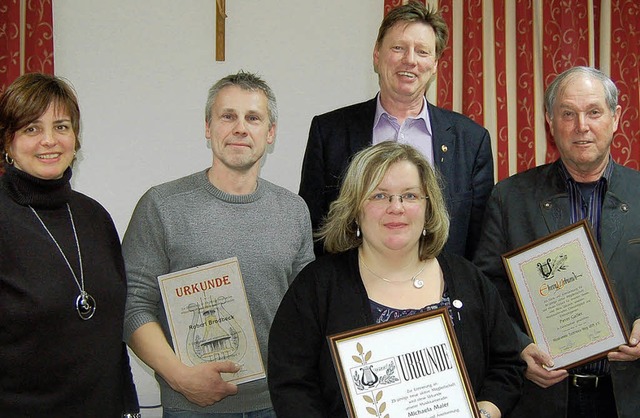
x: 26, y: 38
x: 502, y: 54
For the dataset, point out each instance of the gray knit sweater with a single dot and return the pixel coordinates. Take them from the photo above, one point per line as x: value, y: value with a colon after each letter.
x: 189, y: 222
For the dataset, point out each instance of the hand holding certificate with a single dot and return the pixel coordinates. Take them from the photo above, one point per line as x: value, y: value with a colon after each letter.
x: 209, y: 318
x: 565, y: 298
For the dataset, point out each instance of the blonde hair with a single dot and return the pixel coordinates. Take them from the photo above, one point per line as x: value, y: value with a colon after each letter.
x: 365, y: 172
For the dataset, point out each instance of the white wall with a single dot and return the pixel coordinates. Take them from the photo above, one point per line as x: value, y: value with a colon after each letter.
x: 142, y: 69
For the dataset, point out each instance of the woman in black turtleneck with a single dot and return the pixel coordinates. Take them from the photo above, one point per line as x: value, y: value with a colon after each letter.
x: 62, y: 280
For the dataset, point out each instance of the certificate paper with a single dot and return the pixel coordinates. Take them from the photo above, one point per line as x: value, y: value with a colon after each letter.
x: 210, y: 320
x: 411, y: 367
x: 564, y: 296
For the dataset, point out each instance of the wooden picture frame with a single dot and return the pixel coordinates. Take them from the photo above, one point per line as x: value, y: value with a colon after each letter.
x: 564, y: 296
x: 411, y: 367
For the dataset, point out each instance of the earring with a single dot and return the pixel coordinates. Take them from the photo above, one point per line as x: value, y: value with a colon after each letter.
x: 358, y: 232
x: 208, y: 143
x: 424, y: 232
x: 8, y: 159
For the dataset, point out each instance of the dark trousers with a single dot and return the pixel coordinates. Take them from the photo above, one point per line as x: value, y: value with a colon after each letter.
x: 589, y: 401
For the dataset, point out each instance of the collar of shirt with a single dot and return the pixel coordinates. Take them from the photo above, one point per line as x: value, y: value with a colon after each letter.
x: 606, y: 174
x: 415, y: 131
x: 590, y: 208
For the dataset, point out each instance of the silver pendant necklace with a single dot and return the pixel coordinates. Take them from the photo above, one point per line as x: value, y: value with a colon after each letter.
x: 85, y: 303
x: 417, y: 283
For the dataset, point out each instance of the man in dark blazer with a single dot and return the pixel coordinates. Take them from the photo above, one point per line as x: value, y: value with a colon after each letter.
x: 582, y: 112
x: 410, y: 40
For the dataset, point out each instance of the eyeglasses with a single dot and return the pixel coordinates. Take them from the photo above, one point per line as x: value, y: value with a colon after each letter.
x: 408, y: 198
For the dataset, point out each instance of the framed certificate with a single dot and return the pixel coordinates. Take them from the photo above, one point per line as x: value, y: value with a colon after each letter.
x: 411, y: 367
x: 565, y: 298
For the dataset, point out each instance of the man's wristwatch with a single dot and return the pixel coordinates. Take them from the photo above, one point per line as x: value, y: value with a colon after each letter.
x: 485, y: 413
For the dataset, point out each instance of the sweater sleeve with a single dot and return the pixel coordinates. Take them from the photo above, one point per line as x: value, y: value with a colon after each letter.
x: 305, y: 255
x: 145, y: 256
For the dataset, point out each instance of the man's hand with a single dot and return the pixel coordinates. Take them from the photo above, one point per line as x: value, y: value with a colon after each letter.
x: 536, y: 359
x: 631, y: 351
x: 203, y: 385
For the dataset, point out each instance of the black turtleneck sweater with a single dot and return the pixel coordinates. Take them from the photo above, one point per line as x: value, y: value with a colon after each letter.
x: 52, y: 363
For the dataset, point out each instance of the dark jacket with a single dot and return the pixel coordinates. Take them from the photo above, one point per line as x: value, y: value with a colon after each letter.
x: 328, y: 297
x: 535, y: 203
x: 461, y: 151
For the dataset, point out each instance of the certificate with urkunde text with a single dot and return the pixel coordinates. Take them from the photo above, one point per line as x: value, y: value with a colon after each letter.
x: 411, y: 367
x: 210, y: 320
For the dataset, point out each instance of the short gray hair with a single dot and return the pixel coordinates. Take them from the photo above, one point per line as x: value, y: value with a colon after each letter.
x: 246, y: 81
x: 557, y: 86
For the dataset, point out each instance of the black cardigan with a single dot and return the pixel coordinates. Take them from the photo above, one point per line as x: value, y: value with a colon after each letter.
x: 328, y: 297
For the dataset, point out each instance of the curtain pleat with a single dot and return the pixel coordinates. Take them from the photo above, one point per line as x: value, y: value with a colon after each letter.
x: 26, y: 39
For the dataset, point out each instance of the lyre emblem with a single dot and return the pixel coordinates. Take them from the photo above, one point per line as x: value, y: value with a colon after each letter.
x: 369, y: 378
x: 549, y: 268
x: 545, y: 269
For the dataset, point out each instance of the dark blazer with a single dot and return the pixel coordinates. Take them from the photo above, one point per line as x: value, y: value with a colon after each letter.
x: 461, y: 150
x: 531, y: 205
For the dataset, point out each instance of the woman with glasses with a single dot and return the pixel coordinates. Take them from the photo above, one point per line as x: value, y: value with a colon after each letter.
x: 384, y: 235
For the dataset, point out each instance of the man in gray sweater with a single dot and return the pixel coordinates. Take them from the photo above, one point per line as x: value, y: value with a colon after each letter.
x: 224, y: 211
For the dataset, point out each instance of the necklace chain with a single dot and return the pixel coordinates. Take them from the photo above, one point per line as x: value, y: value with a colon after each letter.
x: 80, y: 282
x: 416, y: 282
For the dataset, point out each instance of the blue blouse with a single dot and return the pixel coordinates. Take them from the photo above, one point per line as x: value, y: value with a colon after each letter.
x: 381, y: 313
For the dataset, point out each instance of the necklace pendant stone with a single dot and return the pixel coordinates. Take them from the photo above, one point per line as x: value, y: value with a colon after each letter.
x: 85, y: 305
x: 417, y: 283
